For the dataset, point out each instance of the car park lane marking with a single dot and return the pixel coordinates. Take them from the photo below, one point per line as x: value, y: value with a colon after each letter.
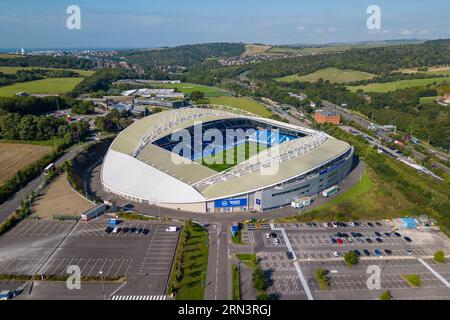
x: 426, y: 265
x: 296, y: 265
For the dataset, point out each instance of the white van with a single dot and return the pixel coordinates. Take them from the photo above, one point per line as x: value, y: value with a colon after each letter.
x: 171, y: 229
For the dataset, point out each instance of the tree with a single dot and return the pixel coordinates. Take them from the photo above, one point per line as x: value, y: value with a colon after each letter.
x: 263, y: 296
x: 260, y: 281
x: 351, y: 258
x: 197, y: 96
x: 386, y: 295
x: 439, y: 256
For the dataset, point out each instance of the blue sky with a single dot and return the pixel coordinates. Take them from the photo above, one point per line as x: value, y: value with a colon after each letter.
x: 154, y: 23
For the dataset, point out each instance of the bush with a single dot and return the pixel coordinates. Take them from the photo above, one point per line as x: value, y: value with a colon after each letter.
x: 386, y: 295
x: 322, y: 279
x: 412, y: 279
x: 351, y: 258
x: 439, y: 256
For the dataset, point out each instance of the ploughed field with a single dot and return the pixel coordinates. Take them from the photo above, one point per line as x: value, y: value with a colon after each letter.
x: 14, y: 157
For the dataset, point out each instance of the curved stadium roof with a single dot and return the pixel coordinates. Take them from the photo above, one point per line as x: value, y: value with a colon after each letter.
x: 135, y: 167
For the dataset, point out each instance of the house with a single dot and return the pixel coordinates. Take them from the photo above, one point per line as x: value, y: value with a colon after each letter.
x: 321, y: 117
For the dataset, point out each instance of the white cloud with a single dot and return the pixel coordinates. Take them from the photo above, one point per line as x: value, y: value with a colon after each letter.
x: 423, y: 32
x: 382, y: 31
x: 318, y: 30
x: 405, y: 32
x: 300, y: 28
x: 331, y: 29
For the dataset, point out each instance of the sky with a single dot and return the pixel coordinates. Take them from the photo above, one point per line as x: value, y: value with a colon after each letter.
x: 156, y: 23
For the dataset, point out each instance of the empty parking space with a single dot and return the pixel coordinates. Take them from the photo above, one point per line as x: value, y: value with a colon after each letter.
x: 142, y: 255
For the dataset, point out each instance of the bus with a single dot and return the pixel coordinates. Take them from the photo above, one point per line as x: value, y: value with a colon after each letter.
x: 49, y: 168
x: 330, y: 191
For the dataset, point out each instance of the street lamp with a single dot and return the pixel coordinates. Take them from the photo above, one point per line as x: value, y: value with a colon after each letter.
x: 103, y: 285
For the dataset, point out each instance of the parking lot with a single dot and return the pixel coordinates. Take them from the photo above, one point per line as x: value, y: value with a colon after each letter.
x: 312, y: 248
x: 142, y: 255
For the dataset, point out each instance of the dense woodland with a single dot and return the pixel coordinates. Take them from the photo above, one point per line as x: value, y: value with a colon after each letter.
x: 64, y: 62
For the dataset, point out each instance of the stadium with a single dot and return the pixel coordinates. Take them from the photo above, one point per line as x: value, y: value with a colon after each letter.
x: 220, y: 159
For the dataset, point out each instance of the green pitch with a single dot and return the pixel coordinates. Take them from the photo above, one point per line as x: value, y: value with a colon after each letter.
x: 229, y: 158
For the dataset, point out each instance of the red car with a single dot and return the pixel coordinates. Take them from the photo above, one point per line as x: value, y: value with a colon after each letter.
x: 339, y: 241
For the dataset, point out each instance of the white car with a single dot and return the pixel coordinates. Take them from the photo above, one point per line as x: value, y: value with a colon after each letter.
x: 276, y: 241
x: 334, y: 224
x: 351, y: 224
x: 325, y: 225
x: 336, y: 254
x: 267, y: 235
x: 115, y: 230
x: 171, y: 229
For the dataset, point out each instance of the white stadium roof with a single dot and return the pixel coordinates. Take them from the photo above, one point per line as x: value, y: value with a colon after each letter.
x: 134, y: 167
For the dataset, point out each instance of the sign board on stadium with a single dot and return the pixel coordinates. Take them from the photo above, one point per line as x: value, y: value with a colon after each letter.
x: 227, y: 203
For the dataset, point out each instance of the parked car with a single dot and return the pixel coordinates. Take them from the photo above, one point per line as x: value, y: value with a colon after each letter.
x: 267, y: 235
x: 334, y: 224
x: 369, y: 240
x: 276, y: 241
x: 358, y: 254
x: 387, y: 234
x: 366, y: 252
x: 333, y: 240
x: 336, y: 254
x: 116, y: 230
x: 379, y: 240
x: 125, y: 229
x: 108, y: 229
x: 370, y: 224
x: 408, y: 239
x: 354, y: 234
x: 378, y: 234
x: 409, y: 252
x: 132, y: 229
x: 377, y: 253
x: 351, y: 224
x: 273, y: 235
x: 171, y: 229
x: 145, y: 231
x: 378, y: 224
x: 325, y: 225
x: 339, y: 241
x: 388, y: 252
x: 289, y: 255
x: 398, y: 235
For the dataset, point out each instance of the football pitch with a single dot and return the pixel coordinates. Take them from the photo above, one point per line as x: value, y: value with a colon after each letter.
x: 230, y: 157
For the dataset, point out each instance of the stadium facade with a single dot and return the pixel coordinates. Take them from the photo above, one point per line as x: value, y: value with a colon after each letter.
x: 144, y: 165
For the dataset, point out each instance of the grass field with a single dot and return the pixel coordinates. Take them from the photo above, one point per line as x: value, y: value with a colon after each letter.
x: 251, y: 49
x: 428, y: 99
x: 12, y: 70
x: 14, y: 156
x: 232, y: 156
x: 50, y: 86
x: 195, y: 262
x: 402, y: 84
x: 331, y: 74
x: 59, y: 199
x: 241, y: 103
x: 431, y: 70
x: 370, y: 198
x: 8, y: 56
x: 188, y: 88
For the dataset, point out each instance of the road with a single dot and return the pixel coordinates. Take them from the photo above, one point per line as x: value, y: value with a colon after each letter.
x: 218, y: 279
x: 9, y: 206
x: 363, y: 122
